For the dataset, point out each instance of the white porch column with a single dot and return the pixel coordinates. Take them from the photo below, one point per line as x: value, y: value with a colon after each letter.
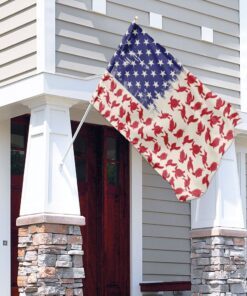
x: 48, y: 191
x: 5, y: 206
x: 50, y: 213
x: 222, y: 206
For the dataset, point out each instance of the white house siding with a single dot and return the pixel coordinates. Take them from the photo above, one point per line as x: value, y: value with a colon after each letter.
x: 17, y: 39
x: 166, y: 226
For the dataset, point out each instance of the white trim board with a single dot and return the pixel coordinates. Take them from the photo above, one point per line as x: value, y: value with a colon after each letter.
x: 46, y: 36
x: 241, y: 149
x: 135, y: 222
x: 5, y: 207
x: 49, y: 84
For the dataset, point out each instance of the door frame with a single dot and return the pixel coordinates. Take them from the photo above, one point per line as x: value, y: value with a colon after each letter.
x: 5, y: 210
x: 136, y: 250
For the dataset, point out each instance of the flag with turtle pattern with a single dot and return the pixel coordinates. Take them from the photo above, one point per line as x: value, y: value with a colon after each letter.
x: 175, y: 122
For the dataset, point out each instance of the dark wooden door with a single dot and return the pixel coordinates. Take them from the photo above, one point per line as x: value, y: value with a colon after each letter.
x: 102, y: 164
x: 19, y: 133
x: 88, y: 186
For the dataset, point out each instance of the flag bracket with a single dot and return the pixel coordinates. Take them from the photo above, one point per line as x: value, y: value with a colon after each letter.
x: 75, y: 135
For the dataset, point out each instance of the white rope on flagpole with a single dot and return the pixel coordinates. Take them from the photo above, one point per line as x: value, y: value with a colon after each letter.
x: 75, y: 134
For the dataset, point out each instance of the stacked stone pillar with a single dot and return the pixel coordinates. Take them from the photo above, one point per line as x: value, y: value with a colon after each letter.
x: 218, y: 264
x: 50, y: 242
x: 50, y: 260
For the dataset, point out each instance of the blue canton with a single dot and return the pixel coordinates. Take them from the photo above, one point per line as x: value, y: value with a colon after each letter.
x: 145, y: 68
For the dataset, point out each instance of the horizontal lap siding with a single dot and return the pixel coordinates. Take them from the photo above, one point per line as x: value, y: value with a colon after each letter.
x: 17, y: 40
x: 166, y: 226
x: 234, y: 4
x: 86, y: 40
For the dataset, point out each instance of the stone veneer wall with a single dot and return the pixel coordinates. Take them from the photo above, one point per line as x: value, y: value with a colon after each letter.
x: 218, y: 266
x: 50, y: 260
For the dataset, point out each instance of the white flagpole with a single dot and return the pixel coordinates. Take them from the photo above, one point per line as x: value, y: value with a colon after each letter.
x: 75, y: 134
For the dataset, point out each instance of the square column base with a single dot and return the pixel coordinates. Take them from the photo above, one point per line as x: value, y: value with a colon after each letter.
x: 50, y: 260
x: 218, y: 265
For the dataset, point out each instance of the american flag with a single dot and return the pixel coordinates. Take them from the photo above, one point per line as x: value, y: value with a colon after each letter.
x: 179, y: 126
